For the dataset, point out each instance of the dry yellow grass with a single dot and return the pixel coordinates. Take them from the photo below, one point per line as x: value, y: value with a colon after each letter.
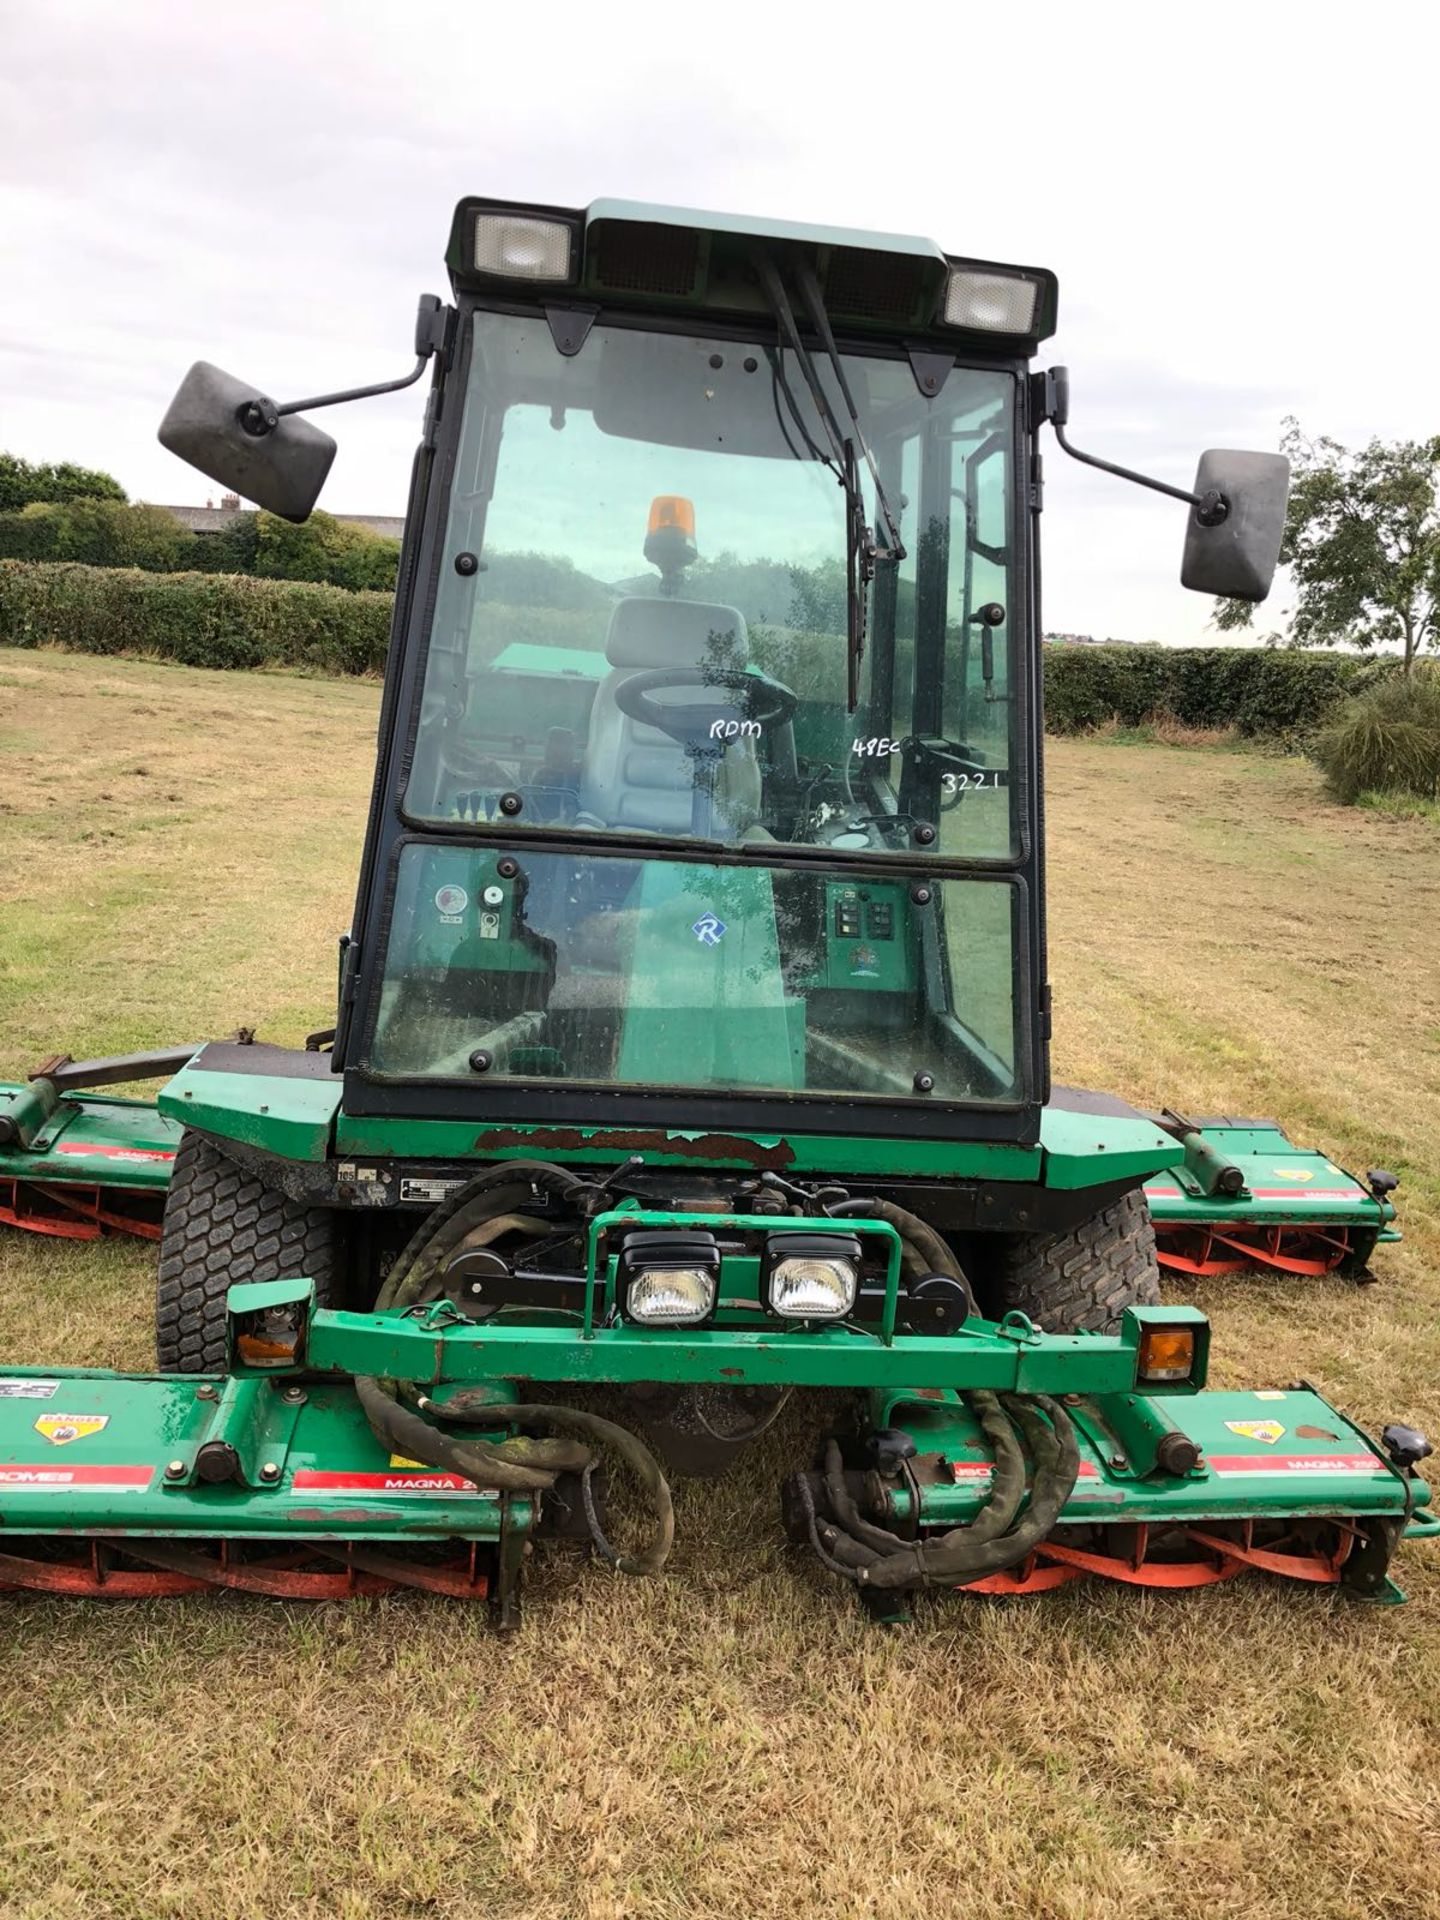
x: 732, y: 1739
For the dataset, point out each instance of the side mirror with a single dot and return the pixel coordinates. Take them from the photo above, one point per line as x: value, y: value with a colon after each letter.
x: 1234, y: 553
x: 281, y: 469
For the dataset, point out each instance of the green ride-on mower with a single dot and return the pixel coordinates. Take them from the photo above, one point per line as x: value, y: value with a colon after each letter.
x: 692, y: 1030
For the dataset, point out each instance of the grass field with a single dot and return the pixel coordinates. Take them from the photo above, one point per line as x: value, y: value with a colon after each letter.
x: 178, y: 853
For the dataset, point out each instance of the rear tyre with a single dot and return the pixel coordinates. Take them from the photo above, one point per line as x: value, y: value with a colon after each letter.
x: 1081, y: 1281
x: 222, y: 1226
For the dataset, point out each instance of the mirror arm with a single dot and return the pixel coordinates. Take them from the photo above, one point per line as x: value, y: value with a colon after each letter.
x: 261, y: 415
x: 1211, y: 509
x: 1052, y: 392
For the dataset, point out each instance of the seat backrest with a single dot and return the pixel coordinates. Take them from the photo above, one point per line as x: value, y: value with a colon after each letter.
x: 637, y: 776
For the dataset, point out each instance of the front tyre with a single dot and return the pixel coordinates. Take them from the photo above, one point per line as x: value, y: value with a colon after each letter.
x: 1081, y: 1281
x: 222, y: 1226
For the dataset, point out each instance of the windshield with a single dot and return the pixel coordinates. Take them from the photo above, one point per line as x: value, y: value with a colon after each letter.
x: 641, y: 619
x: 579, y: 968
x: 687, y: 862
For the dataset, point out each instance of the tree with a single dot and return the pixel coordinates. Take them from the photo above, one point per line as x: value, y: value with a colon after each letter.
x: 325, y: 549
x: 22, y: 483
x: 1362, y: 542
x: 97, y: 533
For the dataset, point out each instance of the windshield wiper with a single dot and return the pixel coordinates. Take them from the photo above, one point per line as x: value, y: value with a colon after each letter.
x: 861, y: 550
x: 780, y: 306
x: 810, y: 289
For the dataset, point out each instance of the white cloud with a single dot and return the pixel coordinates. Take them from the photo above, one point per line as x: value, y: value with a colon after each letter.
x: 1237, y: 200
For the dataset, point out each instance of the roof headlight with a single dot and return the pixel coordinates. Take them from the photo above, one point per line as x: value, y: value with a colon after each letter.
x: 984, y: 301
x: 516, y: 247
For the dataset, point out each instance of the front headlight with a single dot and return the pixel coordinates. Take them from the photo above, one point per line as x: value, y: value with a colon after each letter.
x: 811, y: 1276
x: 670, y: 1296
x: 668, y: 1276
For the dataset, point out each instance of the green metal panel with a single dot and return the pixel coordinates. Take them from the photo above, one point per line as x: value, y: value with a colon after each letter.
x: 980, y: 1355
x: 333, y: 1479
x: 869, y: 942
x: 751, y: 227
x: 1283, y: 1184
x: 370, y: 1135
x: 1086, y: 1149
x: 93, y: 1138
x: 1277, y: 1454
x: 716, y: 1014
x: 291, y: 1118
x: 439, y: 924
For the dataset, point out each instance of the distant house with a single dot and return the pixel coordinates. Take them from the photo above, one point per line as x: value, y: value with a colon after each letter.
x: 213, y: 519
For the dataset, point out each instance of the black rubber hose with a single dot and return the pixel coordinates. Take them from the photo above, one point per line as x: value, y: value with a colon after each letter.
x: 405, y: 1286
x: 605, y: 1433
x: 1056, y: 1457
x: 996, y: 1540
x: 435, y: 1230
x: 1007, y: 1488
x: 836, y: 1550
x: 400, y: 1431
x: 925, y: 1251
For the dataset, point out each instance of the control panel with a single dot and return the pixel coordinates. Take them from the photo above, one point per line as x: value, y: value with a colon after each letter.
x: 868, y: 943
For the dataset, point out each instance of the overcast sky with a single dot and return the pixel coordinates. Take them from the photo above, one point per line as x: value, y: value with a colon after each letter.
x: 1240, y: 202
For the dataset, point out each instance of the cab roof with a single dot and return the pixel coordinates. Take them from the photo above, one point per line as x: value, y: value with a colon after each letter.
x: 638, y: 254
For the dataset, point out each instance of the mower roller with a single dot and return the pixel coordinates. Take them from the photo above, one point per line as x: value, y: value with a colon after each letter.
x: 692, y: 1030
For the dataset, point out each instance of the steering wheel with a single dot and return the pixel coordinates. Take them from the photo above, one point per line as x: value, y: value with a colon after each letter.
x: 761, y: 700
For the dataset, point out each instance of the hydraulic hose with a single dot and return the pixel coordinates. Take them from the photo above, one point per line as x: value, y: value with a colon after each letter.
x: 872, y: 1557
x: 605, y: 1433
x: 513, y: 1466
x: 922, y: 1248
x: 499, y: 1189
x: 522, y: 1464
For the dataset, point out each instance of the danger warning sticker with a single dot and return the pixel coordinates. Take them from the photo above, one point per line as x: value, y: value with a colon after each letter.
x: 1267, y: 1430
x: 61, y: 1428
x: 427, y: 1485
x: 48, y: 1479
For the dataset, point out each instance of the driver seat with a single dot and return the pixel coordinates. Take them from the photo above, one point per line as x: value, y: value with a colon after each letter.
x: 634, y: 775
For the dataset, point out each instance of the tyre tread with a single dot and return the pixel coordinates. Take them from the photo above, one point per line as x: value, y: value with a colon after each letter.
x: 1082, y: 1280
x: 223, y: 1226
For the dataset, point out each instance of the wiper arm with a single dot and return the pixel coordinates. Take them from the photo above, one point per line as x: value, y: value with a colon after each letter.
x: 780, y: 305
x: 861, y: 551
x: 810, y: 288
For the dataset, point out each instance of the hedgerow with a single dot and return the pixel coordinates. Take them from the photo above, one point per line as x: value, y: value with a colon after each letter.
x: 195, y: 619
x: 1281, y: 693
x: 232, y: 620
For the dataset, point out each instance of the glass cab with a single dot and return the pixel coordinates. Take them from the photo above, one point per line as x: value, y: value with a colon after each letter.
x: 660, y: 816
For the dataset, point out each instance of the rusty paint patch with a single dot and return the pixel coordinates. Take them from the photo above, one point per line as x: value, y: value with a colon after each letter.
x: 710, y: 1147
x: 1315, y: 1433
